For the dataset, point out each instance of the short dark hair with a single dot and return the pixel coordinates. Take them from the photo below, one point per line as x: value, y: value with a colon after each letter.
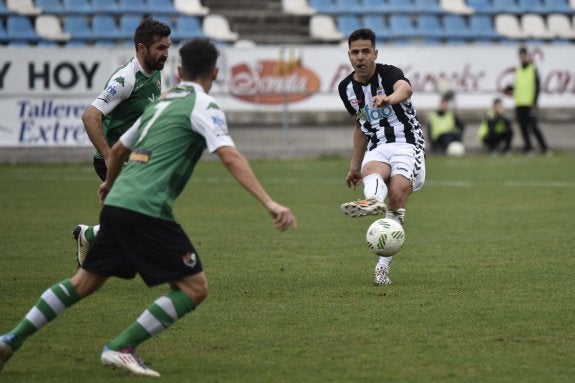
x: 522, y: 50
x: 361, y: 34
x: 497, y: 100
x: 148, y: 30
x: 199, y: 57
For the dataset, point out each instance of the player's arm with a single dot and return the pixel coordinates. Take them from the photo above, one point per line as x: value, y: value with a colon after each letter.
x: 354, y: 177
x: 93, y: 123
x: 238, y: 166
x: 401, y: 92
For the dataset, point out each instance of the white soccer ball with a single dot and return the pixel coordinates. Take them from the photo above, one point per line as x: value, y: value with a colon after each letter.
x: 385, y: 237
x: 455, y: 149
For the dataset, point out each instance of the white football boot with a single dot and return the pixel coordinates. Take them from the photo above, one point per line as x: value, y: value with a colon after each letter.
x: 127, y: 360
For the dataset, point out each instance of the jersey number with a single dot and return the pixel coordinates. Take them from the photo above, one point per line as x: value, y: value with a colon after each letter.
x: 159, y: 108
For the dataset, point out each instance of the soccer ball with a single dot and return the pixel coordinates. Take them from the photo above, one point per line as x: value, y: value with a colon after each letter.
x: 385, y: 237
x: 455, y: 149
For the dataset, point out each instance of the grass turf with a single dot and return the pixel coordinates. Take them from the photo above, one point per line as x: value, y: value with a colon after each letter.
x: 482, y: 291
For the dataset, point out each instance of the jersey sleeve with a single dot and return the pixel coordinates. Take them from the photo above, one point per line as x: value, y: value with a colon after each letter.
x: 129, y: 137
x: 118, y: 88
x: 210, y: 121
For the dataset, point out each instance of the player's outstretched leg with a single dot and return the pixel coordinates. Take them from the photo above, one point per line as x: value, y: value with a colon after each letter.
x: 363, y: 207
x: 126, y: 359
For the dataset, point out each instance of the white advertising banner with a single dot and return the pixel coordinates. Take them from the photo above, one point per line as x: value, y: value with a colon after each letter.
x: 43, y: 91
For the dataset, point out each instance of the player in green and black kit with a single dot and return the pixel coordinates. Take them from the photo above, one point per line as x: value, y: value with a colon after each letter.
x: 128, y: 91
x: 138, y: 233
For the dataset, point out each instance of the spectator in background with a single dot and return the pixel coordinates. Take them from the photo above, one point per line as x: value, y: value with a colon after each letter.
x: 526, y: 94
x: 444, y: 127
x: 495, y: 131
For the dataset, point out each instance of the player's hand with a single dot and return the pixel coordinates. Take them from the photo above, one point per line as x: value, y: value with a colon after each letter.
x: 381, y: 100
x: 282, y: 216
x: 353, y: 179
x: 103, y: 192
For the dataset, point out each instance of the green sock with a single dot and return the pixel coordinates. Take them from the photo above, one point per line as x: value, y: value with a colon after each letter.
x: 161, y: 314
x: 89, y: 234
x: 51, y: 304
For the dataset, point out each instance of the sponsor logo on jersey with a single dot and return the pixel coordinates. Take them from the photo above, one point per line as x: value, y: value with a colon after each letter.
x: 190, y: 259
x: 218, y: 121
x: 111, y: 90
x: 120, y: 80
x: 213, y: 105
x: 375, y: 114
x: 140, y: 156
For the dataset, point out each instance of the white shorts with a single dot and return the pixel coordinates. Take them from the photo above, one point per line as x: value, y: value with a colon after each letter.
x: 404, y: 159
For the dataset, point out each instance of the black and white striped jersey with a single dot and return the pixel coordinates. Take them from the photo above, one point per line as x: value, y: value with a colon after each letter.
x: 387, y: 124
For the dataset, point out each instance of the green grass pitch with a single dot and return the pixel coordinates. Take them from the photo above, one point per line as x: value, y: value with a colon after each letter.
x: 483, y: 290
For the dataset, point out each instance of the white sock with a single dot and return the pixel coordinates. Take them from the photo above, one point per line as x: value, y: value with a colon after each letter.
x: 373, y: 185
x: 383, y: 261
x: 96, y: 230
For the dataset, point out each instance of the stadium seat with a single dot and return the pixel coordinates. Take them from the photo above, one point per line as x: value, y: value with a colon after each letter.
x: 458, y: 7
x: 506, y: 6
x: 186, y: 27
x: 191, y: 7
x: 455, y: 27
x: 531, y: 6
x: 375, y: 6
x: 48, y: 27
x: 507, y: 25
x: 534, y: 26
x: 429, y: 26
x: 481, y: 6
x: 348, y: 23
x: 401, y: 26
x: 427, y: 6
x: 560, y: 26
x: 3, y: 10
x: 82, y: 7
x: 377, y: 24
x: 78, y: 27
x: 347, y: 6
x: 217, y: 27
x: 20, y: 29
x: 51, y: 7
x: 104, y: 28
x: 23, y: 7
x: 558, y: 6
x: 106, y: 7
x: 323, y: 28
x: 400, y: 6
x: 481, y: 28
x: 297, y: 7
x: 132, y: 7
x: 325, y: 7
x: 128, y: 24
x: 161, y: 7
x: 3, y: 34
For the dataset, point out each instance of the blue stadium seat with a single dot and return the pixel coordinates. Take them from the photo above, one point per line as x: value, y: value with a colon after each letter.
x: 400, y: 6
x: 481, y: 28
x: 348, y: 23
x: 506, y: 6
x: 51, y: 7
x: 83, y: 7
x: 427, y: 6
x: 531, y: 6
x: 186, y: 27
x: 128, y: 25
x: 377, y: 24
x: 3, y: 34
x: 323, y: 6
x: 132, y: 7
x: 3, y: 10
x: 162, y: 7
x: 481, y: 6
x: 378, y: 6
x: 104, y: 27
x: 455, y: 27
x: 109, y: 7
x: 558, y: 6
x: 401, y: 26
x: 429, y: 26
x: 78, y: 27
x: 20, y: 29
x: 347, y: 6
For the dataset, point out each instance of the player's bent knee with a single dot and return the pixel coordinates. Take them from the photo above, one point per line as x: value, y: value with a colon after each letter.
x: 195, y: 286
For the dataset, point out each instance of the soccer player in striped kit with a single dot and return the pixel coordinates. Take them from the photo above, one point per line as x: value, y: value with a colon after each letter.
x: 388, y: 145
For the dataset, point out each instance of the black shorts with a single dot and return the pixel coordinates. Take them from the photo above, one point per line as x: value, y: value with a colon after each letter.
x: 100, y: 167
x: 131, y: 243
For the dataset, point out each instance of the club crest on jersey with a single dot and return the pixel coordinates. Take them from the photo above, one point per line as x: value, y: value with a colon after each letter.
x: 375, y: 114
x: 140, y: 156
x: 190, y: 259
x: 379, y: 91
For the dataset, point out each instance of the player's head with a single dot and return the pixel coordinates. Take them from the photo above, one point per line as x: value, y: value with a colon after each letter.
x: 498, y: 105
x: 362, y: 53
x: 524, y: 55
x: 198, y: 60
x: 152, y: 40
